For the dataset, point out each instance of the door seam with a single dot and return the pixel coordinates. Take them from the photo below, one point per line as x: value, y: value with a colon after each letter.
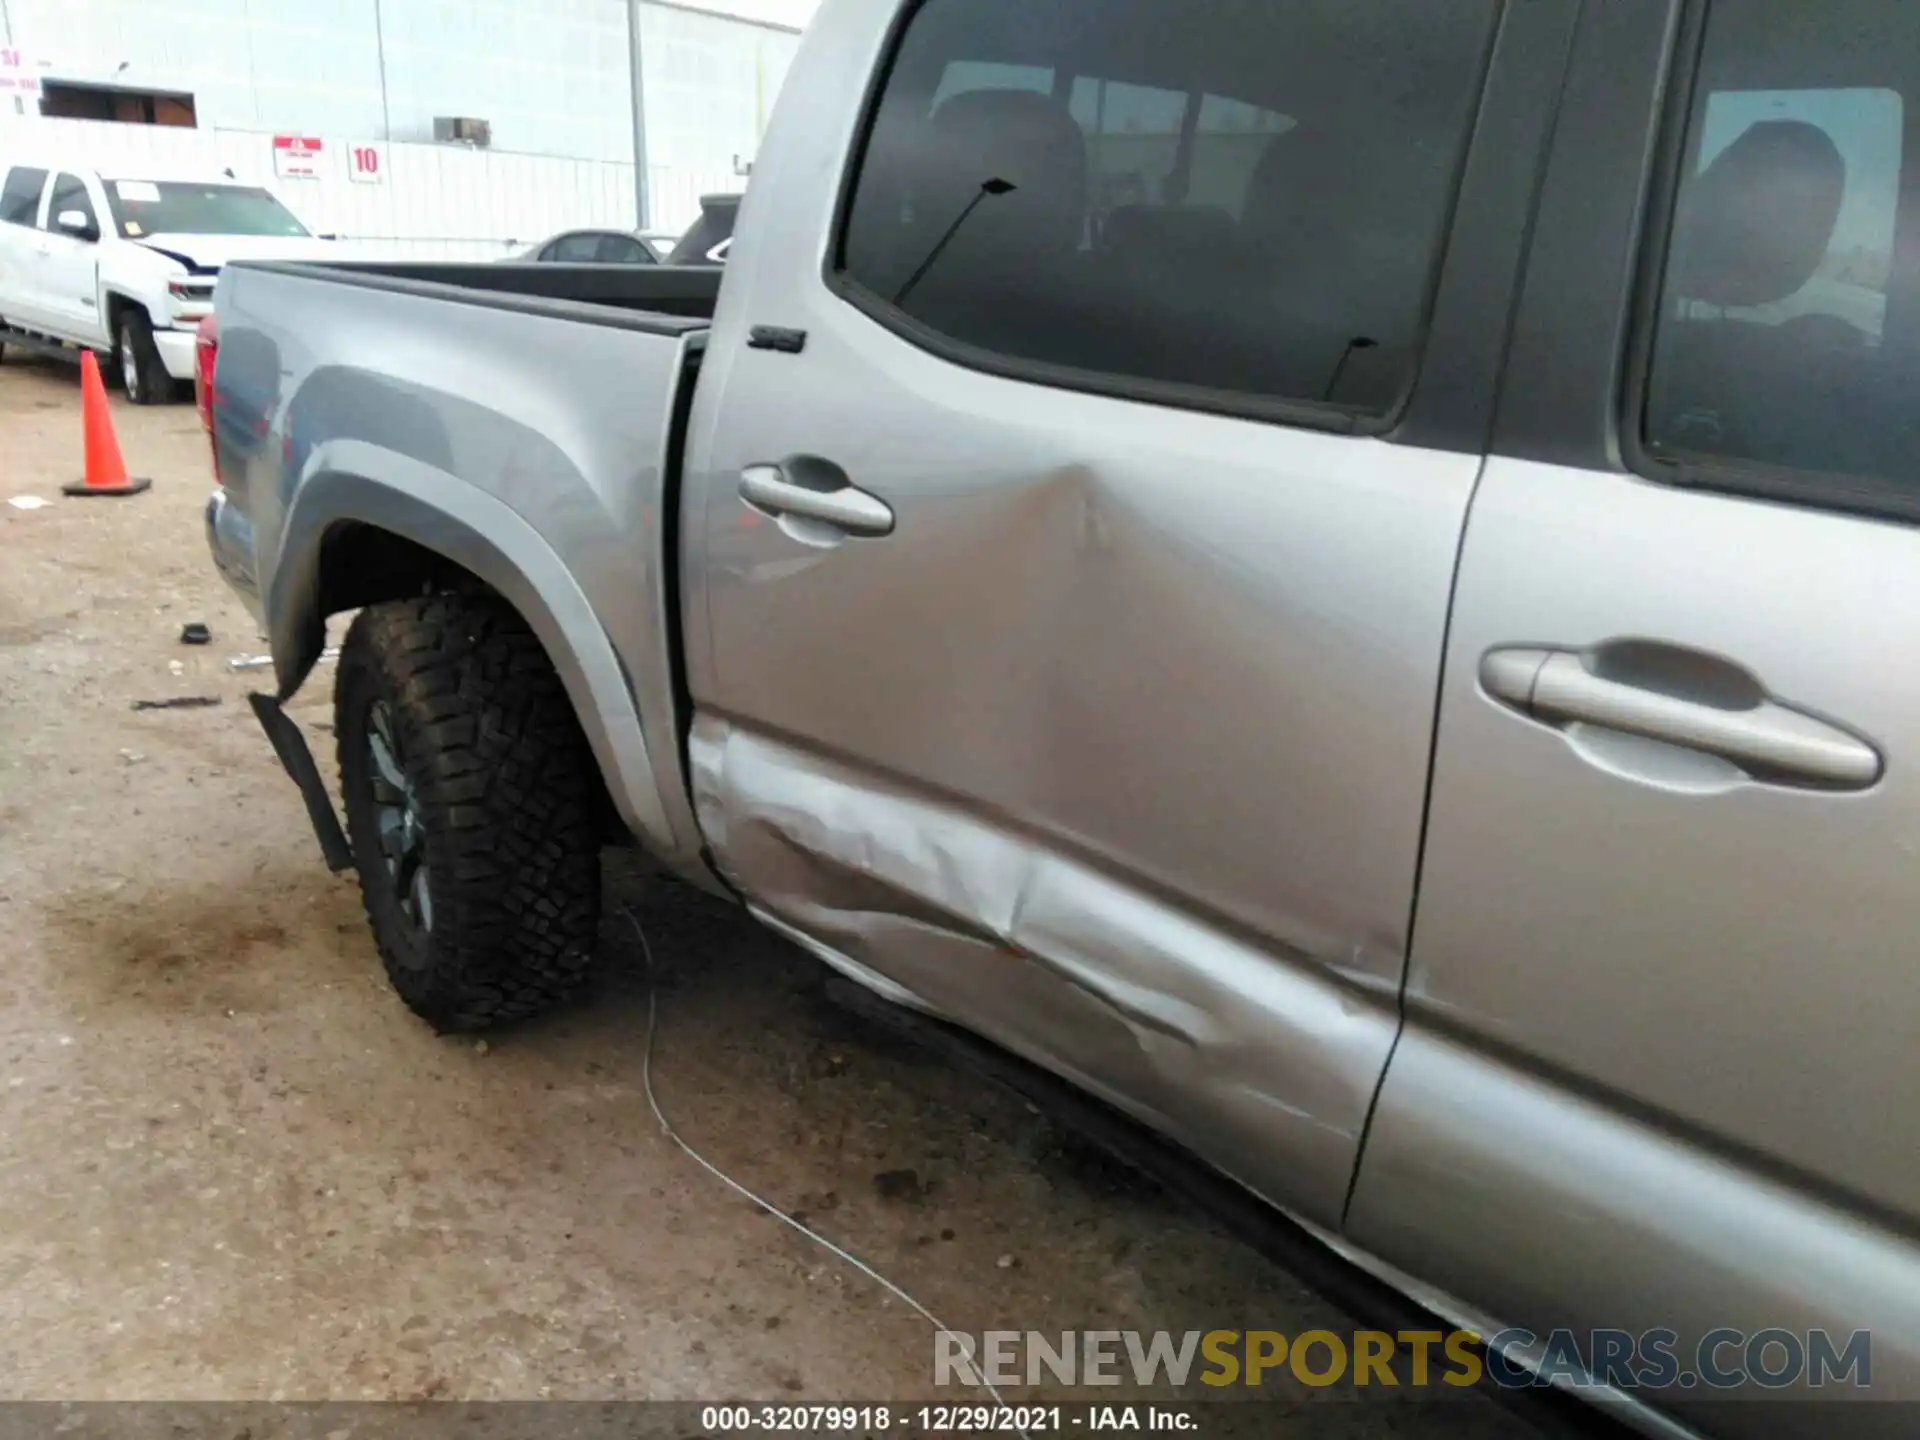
x: 1537, y: 185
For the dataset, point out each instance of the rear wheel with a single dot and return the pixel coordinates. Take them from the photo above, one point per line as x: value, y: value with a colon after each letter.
x: 472, y: 802
x: 142, y: 371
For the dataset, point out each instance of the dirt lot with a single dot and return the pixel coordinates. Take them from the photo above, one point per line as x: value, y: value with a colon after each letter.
x: 235, y: 1168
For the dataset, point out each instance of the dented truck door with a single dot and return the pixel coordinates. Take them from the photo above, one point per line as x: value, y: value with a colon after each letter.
x: 1074, y: 489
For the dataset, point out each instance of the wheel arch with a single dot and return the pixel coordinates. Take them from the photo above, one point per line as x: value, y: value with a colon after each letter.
x: 117, y: 302
x: 363, y: 528
x: 476, y: 819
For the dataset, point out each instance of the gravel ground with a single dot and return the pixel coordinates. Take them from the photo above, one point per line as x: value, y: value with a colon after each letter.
x: 235, y: 1168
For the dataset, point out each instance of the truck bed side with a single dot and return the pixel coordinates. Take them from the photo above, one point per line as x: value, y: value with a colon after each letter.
x: 515, y: 422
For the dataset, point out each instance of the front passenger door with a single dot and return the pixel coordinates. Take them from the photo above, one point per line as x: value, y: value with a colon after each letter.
x: 1066, y: 598
x: 1661, y: 1014
x: 70, y: 274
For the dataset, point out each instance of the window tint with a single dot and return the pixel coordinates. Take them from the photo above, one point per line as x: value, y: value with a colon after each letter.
x: 70, y: 193
x: 960, y: 76
x: 1135, y: 138
x: 1227, y: 145
x: 1228, y: 194
x: 1788, y: 332
x: 577, y: 249
x: 20, y: 197
x: 1133, y: 142
x: 622, y: 250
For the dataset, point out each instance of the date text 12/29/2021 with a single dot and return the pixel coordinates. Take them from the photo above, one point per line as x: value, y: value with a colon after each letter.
x: 823, y: 1419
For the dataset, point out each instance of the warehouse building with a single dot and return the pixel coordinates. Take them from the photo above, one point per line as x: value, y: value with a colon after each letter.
x: 454, y: 96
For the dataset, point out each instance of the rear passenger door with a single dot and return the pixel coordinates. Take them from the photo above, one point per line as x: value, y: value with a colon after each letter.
x: 1661, y: 1012
x: 22, y: 247
x: 1071, y: 535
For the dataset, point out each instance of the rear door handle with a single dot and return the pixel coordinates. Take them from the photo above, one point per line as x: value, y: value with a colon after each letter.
x: 1769, y: 740
x: 809, y: 488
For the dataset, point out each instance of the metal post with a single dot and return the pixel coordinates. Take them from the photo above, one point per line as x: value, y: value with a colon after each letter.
x: 6, y: 38
x: 380, y: 51
x: 639, y: 115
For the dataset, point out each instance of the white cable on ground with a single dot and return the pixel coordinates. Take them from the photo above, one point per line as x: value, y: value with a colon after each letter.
x: 666, y: 1128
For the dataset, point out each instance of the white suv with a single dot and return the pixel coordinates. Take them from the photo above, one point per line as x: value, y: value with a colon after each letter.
x: 120, y: 261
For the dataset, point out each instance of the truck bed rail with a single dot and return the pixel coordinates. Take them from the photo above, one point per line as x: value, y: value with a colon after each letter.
x: 661, y: 299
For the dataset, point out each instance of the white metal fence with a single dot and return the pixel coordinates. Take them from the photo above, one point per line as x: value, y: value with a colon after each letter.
x: 427, y: 202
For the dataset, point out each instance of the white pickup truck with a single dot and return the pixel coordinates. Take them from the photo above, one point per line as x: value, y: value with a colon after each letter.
x: 123, y: 261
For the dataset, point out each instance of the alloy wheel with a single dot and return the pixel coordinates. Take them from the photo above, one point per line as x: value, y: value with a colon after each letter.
x: 400, y: 827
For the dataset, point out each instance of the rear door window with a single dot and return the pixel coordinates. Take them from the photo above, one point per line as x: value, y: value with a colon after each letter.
x: 1219, y: 195
x: 20, y: 196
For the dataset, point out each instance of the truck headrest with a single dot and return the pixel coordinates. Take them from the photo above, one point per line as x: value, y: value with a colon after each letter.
x: 1759, y: 218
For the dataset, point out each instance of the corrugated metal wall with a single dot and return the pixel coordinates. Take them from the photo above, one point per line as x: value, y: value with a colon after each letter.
x: 437, y: 201
x: 550, y: 75
x: 710, y: 87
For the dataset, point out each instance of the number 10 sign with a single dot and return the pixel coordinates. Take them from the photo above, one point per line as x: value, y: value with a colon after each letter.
x: 367, y: 164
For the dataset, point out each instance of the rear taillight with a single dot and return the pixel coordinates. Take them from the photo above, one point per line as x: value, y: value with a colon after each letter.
x: 206, y: 349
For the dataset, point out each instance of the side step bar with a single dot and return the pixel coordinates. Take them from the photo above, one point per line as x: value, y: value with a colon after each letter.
x: 44, y: 346
x: 297, y: 760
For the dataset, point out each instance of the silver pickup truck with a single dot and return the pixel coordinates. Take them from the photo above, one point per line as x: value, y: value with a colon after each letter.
x: 1331, y: 573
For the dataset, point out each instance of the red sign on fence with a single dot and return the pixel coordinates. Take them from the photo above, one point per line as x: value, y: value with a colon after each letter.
x: 369, y: 164
x: 297, y: 157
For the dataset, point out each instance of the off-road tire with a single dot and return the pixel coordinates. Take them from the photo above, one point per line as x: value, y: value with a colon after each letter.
x: 136, y: 359
x: 505, y: 792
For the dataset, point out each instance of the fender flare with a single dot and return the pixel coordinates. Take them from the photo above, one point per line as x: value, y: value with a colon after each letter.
x: 114, y: 292
x: 463, y: 524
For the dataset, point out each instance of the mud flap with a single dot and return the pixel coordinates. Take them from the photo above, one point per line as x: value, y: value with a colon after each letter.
x: 291, y: 746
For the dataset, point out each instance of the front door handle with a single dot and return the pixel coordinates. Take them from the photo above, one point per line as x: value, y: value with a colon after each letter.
x: 1769, y: 740
x: 808, y: 488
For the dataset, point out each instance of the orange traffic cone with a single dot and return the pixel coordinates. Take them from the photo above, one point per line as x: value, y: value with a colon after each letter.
x: 106, y: 472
